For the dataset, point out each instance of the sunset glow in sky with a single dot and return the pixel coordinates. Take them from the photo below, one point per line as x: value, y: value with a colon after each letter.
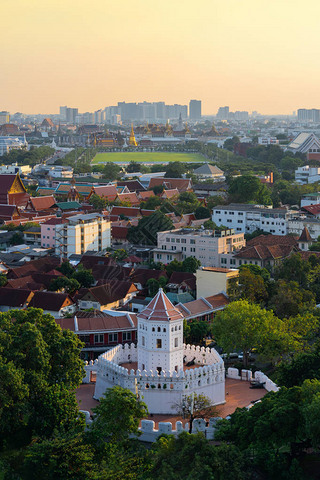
x: 249, y: 54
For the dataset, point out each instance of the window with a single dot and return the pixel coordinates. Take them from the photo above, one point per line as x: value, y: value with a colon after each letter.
x: 113, y: 337
x: 159, y: 329
x: 192, y: 242
x: 173, y: 240
x: 143, y: 341
x: 98, y: 338
x: 159, y: 256
x: 176, y: 342
x: 153, y: 329
x: 84, y: 338
x: 224, y: 260
x: 159, y: 343
x: 126, y: 336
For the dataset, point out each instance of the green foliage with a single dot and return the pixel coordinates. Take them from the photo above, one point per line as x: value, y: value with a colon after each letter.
x: 3, y: 280
x: 39, y: 367
x: 98, y: 203
x: 133, y: 167
x: 175, y: 170
x: 190, y: 264
x: 158, y: 189
x: 230, y: 143
x: 16, y: 239
x: 192, y: 457
x: 120, y: 254
x: 117, y: 416
x: 145, y: 233
x: 151, y: 203
x: 290, y: 299
x: 68, y: 285
x: 111, y: 171
x: 247, y: 189
x: 66, y: 268
x: 61, y: 457
x: 294, y: 371
x: 202, y: 212
x: 195, y: 406
x: 83, y: 276
x: 197, y: 331
x: 27, y: 157
x: 187, y: 203
x: 209, y: 225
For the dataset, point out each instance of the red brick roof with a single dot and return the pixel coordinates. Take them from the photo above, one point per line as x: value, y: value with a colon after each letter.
x: 106, y: 191
x: 111, y: 292
x: 313, y: 209
x: 170, y: 193
x: 129, y: 197
x: 51, y: 301
x: 118, y: 232
x: 53, y: 221
x: 42, y: 265
x: 99, y: 321
x: 305, y: 236
x: 273, y: 240
x: 160, y: 309
x: 126, y: 211
x: 263, y: 252
x: 19, y: 299
x: 147, y: 194
x: 203, y: 306
x: 182, y: 184
x: 132, y: 185
x: 7, y: 212
x: 42, y: 203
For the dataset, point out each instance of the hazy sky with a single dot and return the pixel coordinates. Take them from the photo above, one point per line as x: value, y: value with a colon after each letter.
x: 249, y: 54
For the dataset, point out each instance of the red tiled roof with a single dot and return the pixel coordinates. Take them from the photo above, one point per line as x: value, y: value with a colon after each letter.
x: 142, y: 275
x: 42, y: 203
x: 160, y: 309
x: 129, y: 197
x: 170, y: 193
x: 19, y: 299
x: 7, y: 212
x: 147, y: 194
x: 305, y: 235
x: 263, y: 252
x: 119, y: 232
x: 53, y: 221
x: 182, y: 184
x: 99, y: 321
x: 111, y: 292
x: 269, y: 240
x: 51, y: 301
x: 42, y: 265
x: 313, y: 209
x: 106, y: 191
x: 126, y: 211
x: 203, y: 306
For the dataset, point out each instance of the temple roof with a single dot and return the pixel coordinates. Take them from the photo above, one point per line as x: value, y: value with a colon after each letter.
x: 160, y: 309
x: 305, y: 236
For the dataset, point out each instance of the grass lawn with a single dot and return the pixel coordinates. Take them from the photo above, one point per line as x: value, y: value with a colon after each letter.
x: 147, y: 157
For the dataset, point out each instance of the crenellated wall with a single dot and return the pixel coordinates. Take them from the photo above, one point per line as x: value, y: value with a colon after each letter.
x: 162, y: 392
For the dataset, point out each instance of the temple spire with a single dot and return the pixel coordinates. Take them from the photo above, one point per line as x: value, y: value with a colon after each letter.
x: 132, y: 138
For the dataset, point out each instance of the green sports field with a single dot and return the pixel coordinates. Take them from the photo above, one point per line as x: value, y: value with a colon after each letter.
x: 147, y: 157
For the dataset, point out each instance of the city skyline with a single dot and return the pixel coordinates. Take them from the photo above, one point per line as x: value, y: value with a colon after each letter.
x: 242, y: 54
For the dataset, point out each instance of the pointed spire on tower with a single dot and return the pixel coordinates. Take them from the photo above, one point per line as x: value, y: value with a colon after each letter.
x: 160, y: 309
x: 132, y: 138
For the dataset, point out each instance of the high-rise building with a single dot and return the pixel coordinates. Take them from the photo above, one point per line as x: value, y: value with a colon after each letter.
x: 4, y: 117
x: 223, y: 113
x: 308, y: 115
x: 71, y: 114
x: 63, y: 113
x: 195, y: 109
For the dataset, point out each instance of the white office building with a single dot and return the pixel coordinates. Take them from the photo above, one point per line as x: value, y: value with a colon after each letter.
x: 248, y: 218
x: 307, y: 174
x: 81, y: 233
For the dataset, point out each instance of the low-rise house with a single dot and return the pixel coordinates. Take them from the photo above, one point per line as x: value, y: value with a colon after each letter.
x: 204, y: 308
x: 57, y: 304
x: 213, y: 281
x: 32, y: 236
x: 130, y: 198
x: 109, y: 296
x: 181, y: 184
x: 38, y: 204
x: 19, y: 300
x: 100, y: 331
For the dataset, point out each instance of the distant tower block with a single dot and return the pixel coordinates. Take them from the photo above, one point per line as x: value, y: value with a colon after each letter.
x: 160, y: 339
x: 132, y: 139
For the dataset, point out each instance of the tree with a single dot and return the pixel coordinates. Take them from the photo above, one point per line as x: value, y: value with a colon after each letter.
x: 111, y: 171
x: 252, y: 287
x: 197, y: 331
x: 120, y: 254
x: 230, y: 143
x: 153, y: 286
x: 202, y: 212
x: 117, y: 416
x: 190, y: 264
x: 152, y: 203
x: 98, y: 203
x: 68, y: 285
x: 3, y: 280
x: 248, y: 188
x: 187, y: 203
x: 16, y: 239
x: 145, y: 232
x: 175, y: 170
x: 209, y: 225
x: 61, y: 457
x: 84, y: 277
x: 290, y: 299
x: 66, y: 268
x: 40, y: 366
x: 195, y: 406
x: 133, y: 167
x: 294, y: 371
x: 158, y: 189
x: 242, y: 326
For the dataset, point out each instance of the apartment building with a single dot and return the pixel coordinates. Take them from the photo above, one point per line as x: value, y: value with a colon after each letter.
x: 205, y: 245
x: 81, y: 233
x: 307, y: 174
x: 247, y: 218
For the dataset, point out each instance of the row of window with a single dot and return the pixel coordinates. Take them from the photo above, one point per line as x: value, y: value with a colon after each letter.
x: 173, y: 329
x: 99, y: 337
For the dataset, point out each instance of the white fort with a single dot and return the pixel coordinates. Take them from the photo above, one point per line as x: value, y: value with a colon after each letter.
x: 161, y: 366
